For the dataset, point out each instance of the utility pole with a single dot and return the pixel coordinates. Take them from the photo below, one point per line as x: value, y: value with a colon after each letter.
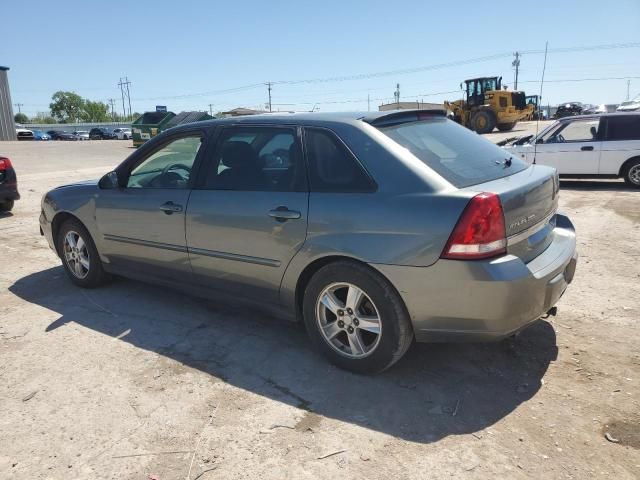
x: 112, y: 102
x: 211, y: 109
x: 628, y: 87
x: 124, y: 91
x: 368, y: 102
x: 516, y: 64
x: 124, y: 110
x: 22, y: 104
x: 396, y: 94
x: 127, y: 83
x: 269, y: 90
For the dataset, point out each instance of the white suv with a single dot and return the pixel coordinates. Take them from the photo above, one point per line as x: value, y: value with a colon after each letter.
x: 605, y: 145
x: 123, y: 133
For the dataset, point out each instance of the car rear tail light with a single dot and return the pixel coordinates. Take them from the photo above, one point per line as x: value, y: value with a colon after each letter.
x: 480, y: 231
x: 5, y: 164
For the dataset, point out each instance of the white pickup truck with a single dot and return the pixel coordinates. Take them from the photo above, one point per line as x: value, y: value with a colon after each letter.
x: 586, y: 146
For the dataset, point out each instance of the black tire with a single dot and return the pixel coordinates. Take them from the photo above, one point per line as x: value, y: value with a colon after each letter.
x: 396, y: 332
x: 483, y: 121
x: 632, y: 173
x: 505, y: 127
x: 96, y: 275
x: 6, y: 206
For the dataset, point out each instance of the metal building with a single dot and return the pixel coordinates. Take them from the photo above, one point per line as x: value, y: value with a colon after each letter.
x: 7, y: 124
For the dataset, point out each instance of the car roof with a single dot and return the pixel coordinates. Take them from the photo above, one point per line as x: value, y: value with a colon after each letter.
x: 317, y: 118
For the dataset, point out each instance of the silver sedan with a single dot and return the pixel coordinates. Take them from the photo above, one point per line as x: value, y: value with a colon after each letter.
x: 373, y: 229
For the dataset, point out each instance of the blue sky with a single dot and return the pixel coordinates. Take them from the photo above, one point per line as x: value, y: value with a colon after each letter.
x: 181, y: 54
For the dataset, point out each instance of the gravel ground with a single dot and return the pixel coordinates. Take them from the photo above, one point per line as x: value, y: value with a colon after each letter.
x: 132, y: 381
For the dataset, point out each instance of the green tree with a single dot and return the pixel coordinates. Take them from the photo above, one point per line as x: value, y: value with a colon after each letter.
x: 43, y: 117
x: 95, y: 111
x: 21, y: 118
x: 66, y: 106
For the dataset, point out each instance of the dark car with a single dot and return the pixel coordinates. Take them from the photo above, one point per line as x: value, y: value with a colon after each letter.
x: 373, y: 228
x: 568, y: 110
x: 8, y: 185
x: 61, y: 135
x: 101, y: 133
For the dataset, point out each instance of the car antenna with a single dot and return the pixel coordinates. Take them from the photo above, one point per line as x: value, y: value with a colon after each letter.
x: 544, y: 67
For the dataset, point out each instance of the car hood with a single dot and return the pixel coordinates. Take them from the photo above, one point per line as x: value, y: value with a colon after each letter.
x: 84, y: 183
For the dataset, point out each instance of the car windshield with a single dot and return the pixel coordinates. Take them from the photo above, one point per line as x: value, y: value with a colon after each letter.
x: 460, y: 156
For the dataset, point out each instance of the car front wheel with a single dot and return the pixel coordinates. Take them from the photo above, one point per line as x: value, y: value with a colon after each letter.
x: 356, y: 318
x: 79, y: 255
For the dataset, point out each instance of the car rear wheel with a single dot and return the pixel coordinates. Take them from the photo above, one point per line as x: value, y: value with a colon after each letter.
x: 79, y: 255
x: 356, y: 318
x: 6, y: 206
x: 632, y: 174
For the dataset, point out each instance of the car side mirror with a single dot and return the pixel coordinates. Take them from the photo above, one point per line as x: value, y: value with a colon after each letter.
x: 109, y: 181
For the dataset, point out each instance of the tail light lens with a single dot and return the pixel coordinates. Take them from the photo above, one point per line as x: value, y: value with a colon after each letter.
x: 480, y: 231
x: 5, y: 164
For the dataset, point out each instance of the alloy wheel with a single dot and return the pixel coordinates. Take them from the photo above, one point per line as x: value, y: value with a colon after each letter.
x: 76, y: 254
x: 348, y: 320
x: 634, y: 174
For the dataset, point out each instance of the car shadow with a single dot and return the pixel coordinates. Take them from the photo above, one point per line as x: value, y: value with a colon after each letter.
x: 6, y: 214
x: 604, y: 185
x: 435, y: 391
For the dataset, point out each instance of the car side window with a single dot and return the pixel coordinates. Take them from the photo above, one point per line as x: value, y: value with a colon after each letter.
x: 624, y: 127
x: 332, y: 167
x: 168, y: 167
x: 257, y: 159
x: 576, y: 131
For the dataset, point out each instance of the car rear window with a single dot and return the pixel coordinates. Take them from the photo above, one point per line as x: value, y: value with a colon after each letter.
x: 460, y: 156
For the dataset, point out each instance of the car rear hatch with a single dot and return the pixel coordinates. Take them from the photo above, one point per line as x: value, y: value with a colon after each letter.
x: 528, y: 193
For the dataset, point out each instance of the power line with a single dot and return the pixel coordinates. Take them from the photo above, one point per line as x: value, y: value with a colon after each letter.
x: 362, y: 76
x: 18, y: 105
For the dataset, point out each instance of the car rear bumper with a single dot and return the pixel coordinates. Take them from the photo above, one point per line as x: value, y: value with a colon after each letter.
x: 487, y: 299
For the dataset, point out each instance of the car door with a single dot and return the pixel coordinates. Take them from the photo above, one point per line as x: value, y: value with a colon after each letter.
x: 142, y: 223
x: 247, y: 217
x: 572, y: 148
x: 621, y: 142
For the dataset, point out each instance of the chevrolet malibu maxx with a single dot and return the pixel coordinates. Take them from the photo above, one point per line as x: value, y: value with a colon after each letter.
x: 373, y: 229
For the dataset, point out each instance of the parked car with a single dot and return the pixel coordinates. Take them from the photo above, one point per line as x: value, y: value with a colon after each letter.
x: 594, y: 109
x: 101, y: 133
x: 81, y: 135
x: 606, y: 145
x: 24, y: 134
x: 61, y: 135
x: 568, y: 110
x: 8, y: 185
x: 40, y: 135
x: 630, y: 106
x: 374, y: 229
x: 123, y: 133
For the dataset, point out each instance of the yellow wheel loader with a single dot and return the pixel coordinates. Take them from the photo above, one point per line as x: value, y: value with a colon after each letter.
x: 487, y: 106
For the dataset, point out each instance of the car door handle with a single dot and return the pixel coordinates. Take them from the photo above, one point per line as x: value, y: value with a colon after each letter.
x: 170, y: 207
x: 586, y: 149
x: 283, y: 213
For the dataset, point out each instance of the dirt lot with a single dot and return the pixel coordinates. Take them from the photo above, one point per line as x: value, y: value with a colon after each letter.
x: 132, y: 381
